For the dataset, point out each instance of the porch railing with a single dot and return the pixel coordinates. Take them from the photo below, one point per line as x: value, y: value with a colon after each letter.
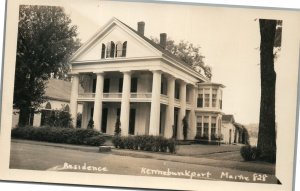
x: 141, y: 95
x: 112, y: 95
x: 86, y: 95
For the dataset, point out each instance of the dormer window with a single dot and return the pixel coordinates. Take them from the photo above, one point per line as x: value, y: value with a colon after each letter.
x: 112, y: 50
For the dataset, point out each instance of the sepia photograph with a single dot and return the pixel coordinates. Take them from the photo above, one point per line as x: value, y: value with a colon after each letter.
x: 150, y: 95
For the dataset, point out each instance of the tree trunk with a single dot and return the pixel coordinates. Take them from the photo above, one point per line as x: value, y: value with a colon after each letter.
x: 267, y: 136
x: 24, y: 117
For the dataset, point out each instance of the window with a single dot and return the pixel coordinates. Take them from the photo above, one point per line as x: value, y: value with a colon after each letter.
x: 213, y: 126
x: 48, y: 105
x: 205, y: 125
x: 103, y: 51
x: 134, y: 82
x: 119, y: 49
x: 199, y: 126
x: 200, y: 100
x: 214, y: 97
x: 124, y: 49
x: 110, y: 50
x: 120, y: 85
x: 106, y: 85
x: 220, y: 104
x: 206, y: 97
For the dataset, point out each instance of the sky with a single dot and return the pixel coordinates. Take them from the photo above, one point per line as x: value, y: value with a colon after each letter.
x: 229, y: 40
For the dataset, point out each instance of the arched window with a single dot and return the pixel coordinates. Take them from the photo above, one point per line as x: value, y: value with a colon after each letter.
x: 48, y: 106
x: 103, y: 51
x: 124, y: 49
x: 67, y: 108
x: 110, y: 50
x: 119, y: 49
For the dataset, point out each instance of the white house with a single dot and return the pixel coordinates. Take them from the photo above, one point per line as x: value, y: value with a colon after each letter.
x: 126, y: 75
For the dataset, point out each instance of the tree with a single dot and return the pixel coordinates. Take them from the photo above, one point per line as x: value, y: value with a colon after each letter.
x: 270, y: 39
x: 46, y: 39
x: 188, y: 53
x: 185, y: 127
x: 118, y: 127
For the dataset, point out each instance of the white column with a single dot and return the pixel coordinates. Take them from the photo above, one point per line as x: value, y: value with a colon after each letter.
x: 125, y: 103
x: 155, y: 104
x: 97, y: 117
x: 192, y: 125
x: 209, y: 128
x: 37, y: 117
x: 169, y: 123
x: 182, y: 111
x: 73, y: 99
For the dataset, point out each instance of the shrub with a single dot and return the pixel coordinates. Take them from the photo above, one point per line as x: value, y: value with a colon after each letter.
x: 59, y: 135
x: 249, y: 153
x: 172, y: 145
x: 95, y: 141
x: 145, y: 143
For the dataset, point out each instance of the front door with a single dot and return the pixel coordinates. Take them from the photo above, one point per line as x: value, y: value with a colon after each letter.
x: 131, y: 122
x: 104, y: 120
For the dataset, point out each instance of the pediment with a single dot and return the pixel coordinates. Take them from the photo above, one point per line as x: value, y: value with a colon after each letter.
x: 117, y: 33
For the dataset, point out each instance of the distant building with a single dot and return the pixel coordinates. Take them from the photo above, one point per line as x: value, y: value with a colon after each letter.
x: 233, y: 132
x: 58, y: 94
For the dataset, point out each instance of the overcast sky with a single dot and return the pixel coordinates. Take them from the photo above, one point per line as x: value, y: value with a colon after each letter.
x: 229, y: 40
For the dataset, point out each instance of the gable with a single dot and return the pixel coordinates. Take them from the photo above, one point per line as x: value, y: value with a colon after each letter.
x: 136, y: 47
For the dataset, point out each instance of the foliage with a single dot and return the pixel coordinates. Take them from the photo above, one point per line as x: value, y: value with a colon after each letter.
x: 79, y: 120
x: 46, y: 39
x: 95, y: 141
x: 58, y: 118
x: 118, y: 127
x: 188, y: 53
x: 90, y: 124
x: 185, y: 127
x: 59, y: 135
x: 249, y: 153
x: 145, y: 143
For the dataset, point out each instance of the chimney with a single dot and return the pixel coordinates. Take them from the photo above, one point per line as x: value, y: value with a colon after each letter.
x: 141, y: 27
x: 163, y: 40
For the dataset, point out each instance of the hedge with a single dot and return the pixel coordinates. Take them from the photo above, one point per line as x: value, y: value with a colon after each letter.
x: 249, y: 153
x: 145, y: 143
x: 60, y: 135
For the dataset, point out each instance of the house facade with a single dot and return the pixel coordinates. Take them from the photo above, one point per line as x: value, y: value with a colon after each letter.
x: 126, y: 76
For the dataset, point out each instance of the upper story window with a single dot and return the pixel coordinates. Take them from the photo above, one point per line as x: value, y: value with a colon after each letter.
x: 214, y: 97
x: 206, y: 97
x: 112, y: 50
x: 200, y: 98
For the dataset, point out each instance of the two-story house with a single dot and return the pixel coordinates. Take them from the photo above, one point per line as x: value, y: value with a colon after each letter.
x: 125, y: 75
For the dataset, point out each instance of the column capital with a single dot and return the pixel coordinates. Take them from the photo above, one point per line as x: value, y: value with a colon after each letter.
x: 170, y: 76
x: 99, y: 73
x: 126, y: 71
x: 182, y: 82
x: 157, y: 71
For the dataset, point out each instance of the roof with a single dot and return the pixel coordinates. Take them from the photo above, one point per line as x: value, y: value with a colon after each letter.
x: 59, y: 89
x: 149, y: 41
x: 228, y: 118
x: 155, y: 45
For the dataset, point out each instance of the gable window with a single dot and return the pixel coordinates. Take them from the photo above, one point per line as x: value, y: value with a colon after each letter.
x: 119, y: 49
x: 124, y: 49
x: 110, y: 50
x: 103, y: 51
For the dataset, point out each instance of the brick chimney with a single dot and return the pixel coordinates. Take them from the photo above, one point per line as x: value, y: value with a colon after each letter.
x: 163, y: 40
x: 141, y: 27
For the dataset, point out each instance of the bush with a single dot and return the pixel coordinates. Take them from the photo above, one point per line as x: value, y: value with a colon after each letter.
x: 145, y: 143
x: 95, y: 141
x: 249, y: 153
x: 60, y: 135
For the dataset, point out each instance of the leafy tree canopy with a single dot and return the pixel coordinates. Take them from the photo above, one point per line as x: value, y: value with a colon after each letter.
x: 188, y: 53
x: 46, y: 39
